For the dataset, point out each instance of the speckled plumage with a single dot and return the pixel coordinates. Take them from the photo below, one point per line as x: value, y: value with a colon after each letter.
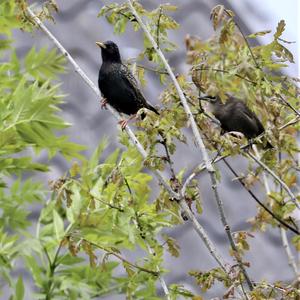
x: 117, y: 84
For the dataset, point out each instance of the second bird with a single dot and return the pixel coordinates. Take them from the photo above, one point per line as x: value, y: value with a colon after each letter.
x: 234, y: 115
x: 118, y: 85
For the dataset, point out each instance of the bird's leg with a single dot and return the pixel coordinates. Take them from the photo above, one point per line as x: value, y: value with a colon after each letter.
x: 124, y: 122
x: 103, y: 103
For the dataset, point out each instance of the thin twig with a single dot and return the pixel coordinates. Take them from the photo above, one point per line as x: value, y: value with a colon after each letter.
x: 264, y: 175
x: 277, y: 218
x: 258, y: 66
x: 276, y: 177
x: 152, y: 69
x: 109, y: 251
x: 217, y: 159
x: 136, y: 222
x: 164, y: 143
x: 228, y: 231
x: 244, y: 37
x: 158, y: 25
x: 177, y: 86
x: 201, y: 68
x: 284, y: 239
x: 288, y: 104
x: 52, y: 267
x: 197, y: 136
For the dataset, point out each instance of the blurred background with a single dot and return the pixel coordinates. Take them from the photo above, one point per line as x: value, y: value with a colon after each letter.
x: 78, y: 28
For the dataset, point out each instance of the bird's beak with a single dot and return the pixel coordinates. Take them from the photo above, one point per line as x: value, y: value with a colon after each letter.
x: 101, y: 45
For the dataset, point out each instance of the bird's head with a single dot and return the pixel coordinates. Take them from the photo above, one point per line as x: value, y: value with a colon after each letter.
x: 109, y: 51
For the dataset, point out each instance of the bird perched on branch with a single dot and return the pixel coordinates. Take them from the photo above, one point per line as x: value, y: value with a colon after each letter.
x: 235, y: 116
x: 118, y: 85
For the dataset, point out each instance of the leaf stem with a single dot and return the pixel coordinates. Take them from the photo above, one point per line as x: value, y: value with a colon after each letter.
x: 124, y: 260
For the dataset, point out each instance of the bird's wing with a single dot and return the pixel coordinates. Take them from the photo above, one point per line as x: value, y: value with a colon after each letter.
x: 132, y: 82
x: 251, y: 117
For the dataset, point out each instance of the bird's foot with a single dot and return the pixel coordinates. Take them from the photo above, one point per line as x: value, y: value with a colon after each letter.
x: 103, y: 103
x: 123, y: 123
x: 236, y: 134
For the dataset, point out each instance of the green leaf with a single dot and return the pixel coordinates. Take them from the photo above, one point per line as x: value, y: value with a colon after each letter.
x: 280, y: 29
x: 259, y: 33
x: 173, y: 247
x: 35, y: 269
x: 19, y: 289
x: 44, y: 64
x: 93, y: 162
x: 58, y: 225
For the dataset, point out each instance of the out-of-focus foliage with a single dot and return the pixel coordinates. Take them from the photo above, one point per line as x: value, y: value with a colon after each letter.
x: 29, y: 121
x: 103, y: 208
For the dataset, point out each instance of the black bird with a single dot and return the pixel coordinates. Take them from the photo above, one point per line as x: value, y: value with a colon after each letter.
x: 118, y: 85
x: 234, y: 115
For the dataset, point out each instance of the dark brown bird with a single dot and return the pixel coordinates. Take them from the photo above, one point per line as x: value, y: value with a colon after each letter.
x: 117, y: 84
x: 234, y: 115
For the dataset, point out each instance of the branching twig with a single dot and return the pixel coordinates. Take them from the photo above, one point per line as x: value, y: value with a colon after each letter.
x: 258, y: 201
x: 109, y: 251
x: 198, y: 138
x: 276, y: 177
x: 52, y: 267
x: 201, y: 68
x: 178, y: 88
x: 202, y: 167
x: 136, y: 222
x: 258, y: 66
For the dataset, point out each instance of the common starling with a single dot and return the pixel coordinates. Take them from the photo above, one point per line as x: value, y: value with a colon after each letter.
x: 118, y: 85
x: 235, y: 116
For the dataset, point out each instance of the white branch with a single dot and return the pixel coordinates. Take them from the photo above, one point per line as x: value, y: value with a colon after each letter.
x: 178, y: 88
x: 198, y: 139
x: 158, y: 175
x: 289, y: 253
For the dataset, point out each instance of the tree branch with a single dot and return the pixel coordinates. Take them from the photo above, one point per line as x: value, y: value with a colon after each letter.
x: 289, y: 253
x: 202, y: 167
x: 197, y: 136
x: 258, y: 66
x: 257, y: 200
x: 158, y: 175
x: 276, y: 177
